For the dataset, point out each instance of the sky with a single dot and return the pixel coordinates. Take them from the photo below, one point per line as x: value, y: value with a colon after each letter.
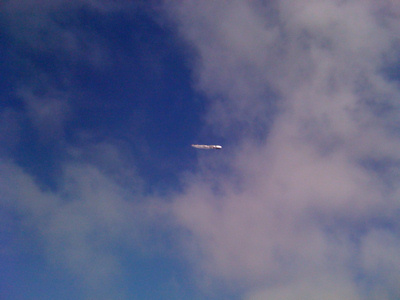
x: 103, y: 197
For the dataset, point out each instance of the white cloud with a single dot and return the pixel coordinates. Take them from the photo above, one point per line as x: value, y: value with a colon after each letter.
x: 304, y: 213
x: 313, y: 188
x: 84, y: 226
x: 336, y: 287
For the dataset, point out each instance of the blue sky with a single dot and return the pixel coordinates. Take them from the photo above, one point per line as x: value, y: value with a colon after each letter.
x: 102, y: 196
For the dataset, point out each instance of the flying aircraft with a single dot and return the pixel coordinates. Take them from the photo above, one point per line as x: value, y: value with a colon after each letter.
x: 207, y: 147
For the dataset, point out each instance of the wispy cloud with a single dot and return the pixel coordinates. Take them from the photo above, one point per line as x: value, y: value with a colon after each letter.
x: 84, y: 227
x: 318, y: 185
x: 50, y: 27
x: 47, y: 113
x: 94, y: 215
x: 301, y: 203
x: 44, y: 39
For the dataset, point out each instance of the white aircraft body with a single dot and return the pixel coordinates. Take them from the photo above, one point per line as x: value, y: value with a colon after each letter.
x: 207, y: 147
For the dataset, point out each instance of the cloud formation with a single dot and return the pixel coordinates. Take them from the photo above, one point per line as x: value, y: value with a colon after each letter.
x: 319, y: 192
x: 87, y: 214
x: 83, y: 227
x: 302, y: 203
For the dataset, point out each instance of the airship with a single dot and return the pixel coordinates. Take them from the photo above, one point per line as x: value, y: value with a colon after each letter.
x: 207, y: 147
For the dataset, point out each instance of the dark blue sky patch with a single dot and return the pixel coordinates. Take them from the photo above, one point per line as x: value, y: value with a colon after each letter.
x: 140, y: 93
